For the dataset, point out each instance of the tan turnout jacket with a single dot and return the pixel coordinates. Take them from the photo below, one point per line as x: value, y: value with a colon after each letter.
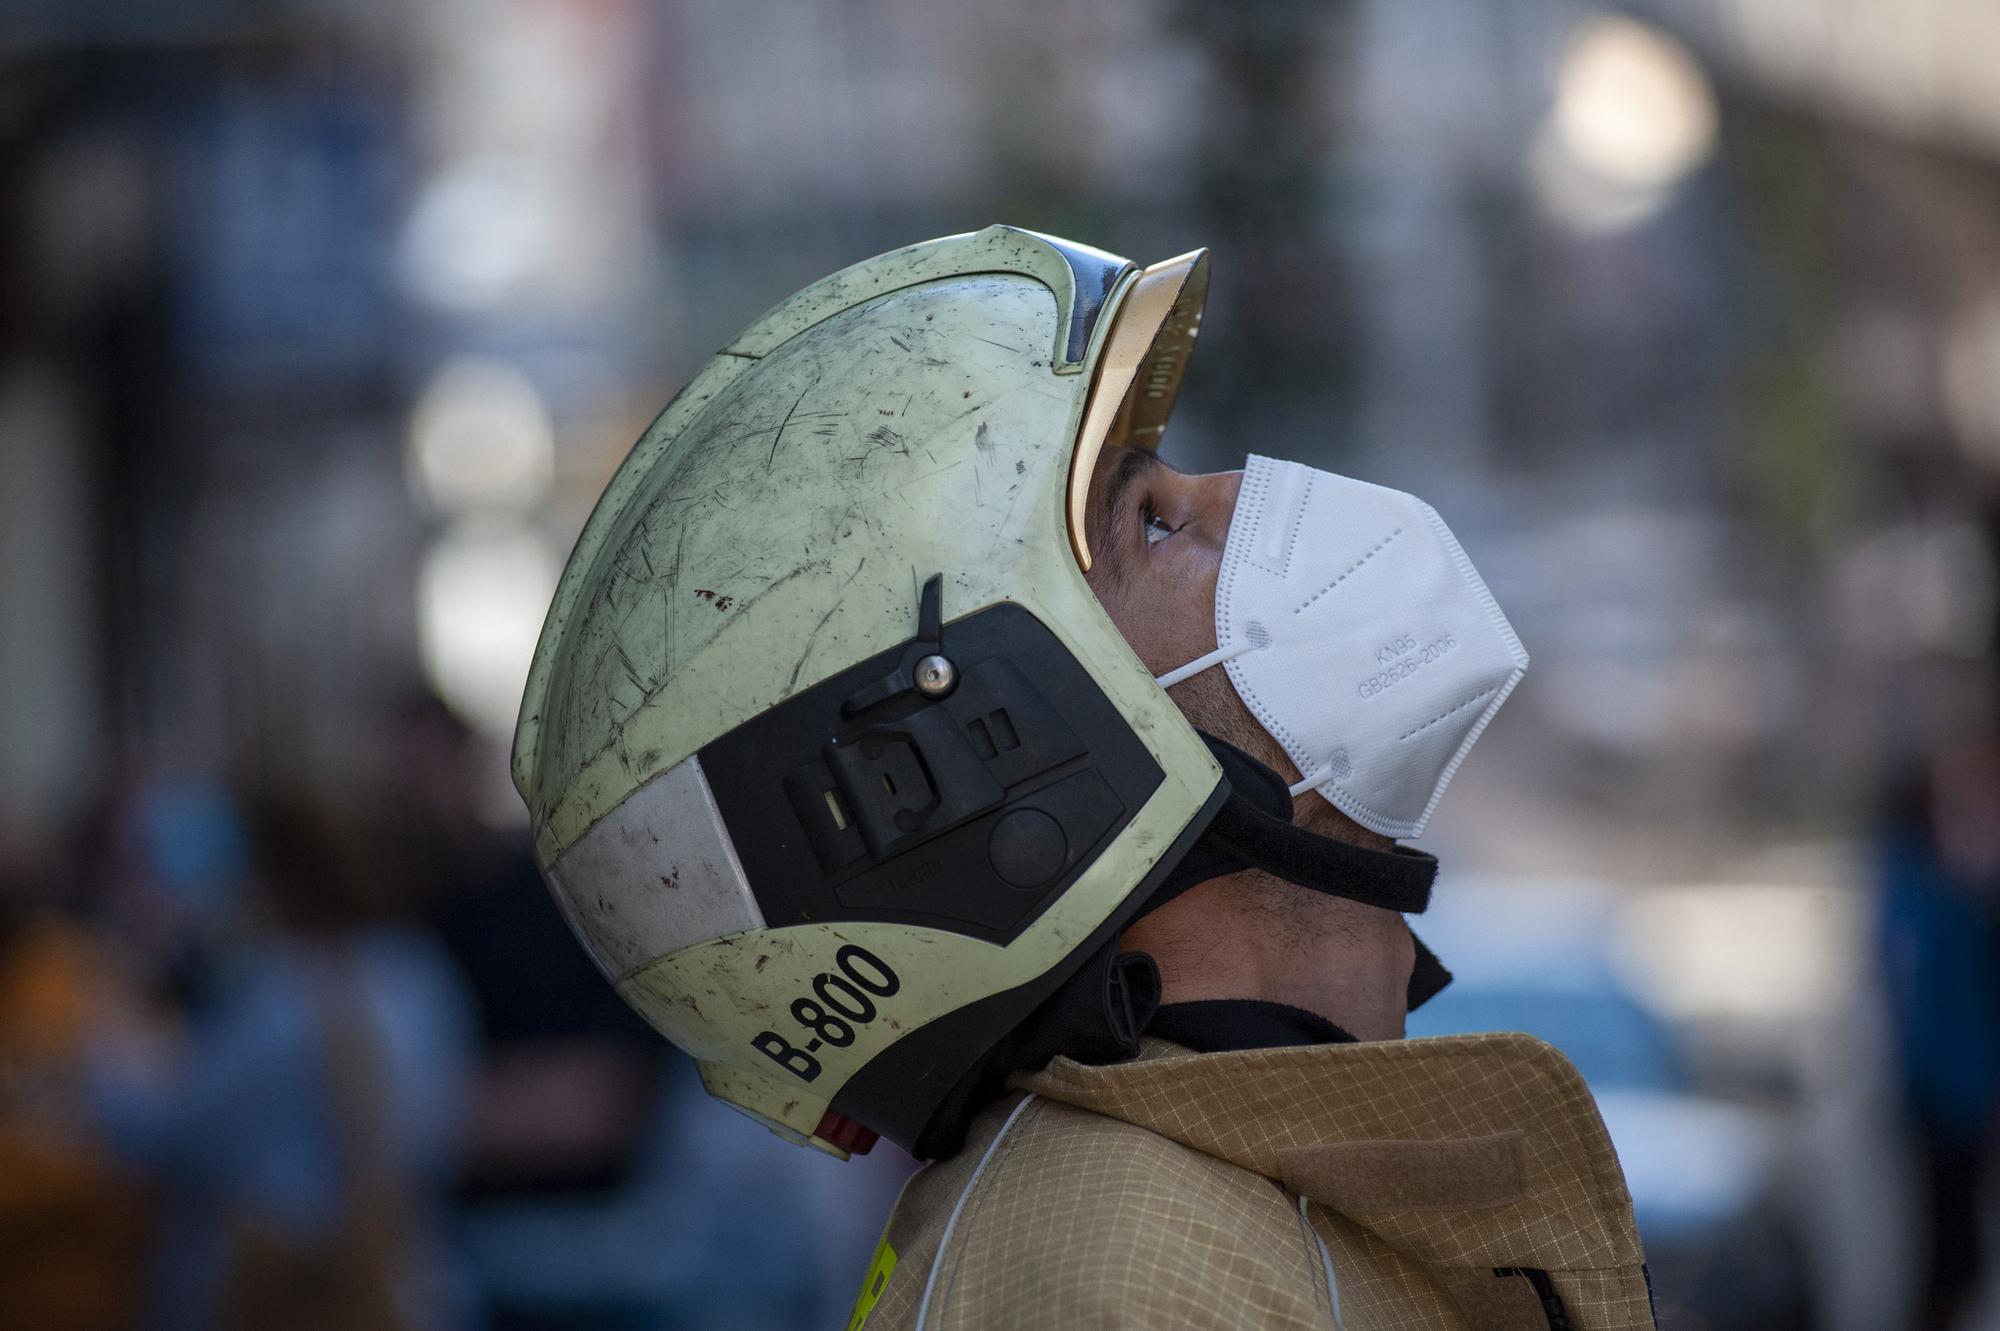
x: 1463, y: 1183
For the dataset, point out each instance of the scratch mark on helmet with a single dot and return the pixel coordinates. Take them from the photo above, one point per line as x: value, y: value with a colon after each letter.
x: 778, y: 438
x: 805, y: 649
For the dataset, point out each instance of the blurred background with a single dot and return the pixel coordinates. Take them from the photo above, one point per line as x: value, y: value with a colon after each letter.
x: 323, y: 322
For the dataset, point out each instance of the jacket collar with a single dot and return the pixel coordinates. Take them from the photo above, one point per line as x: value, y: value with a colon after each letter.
x: 1463, y: 1150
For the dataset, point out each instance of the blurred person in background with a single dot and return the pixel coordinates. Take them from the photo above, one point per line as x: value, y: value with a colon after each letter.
x: 568, y: 1076
x: 72, y: 1222
x: 569, y: 1089
x: 301, y: 1135
x: 1939, y: 934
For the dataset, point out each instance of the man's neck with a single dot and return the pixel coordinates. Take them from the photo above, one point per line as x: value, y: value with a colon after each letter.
x: 1249, y: 935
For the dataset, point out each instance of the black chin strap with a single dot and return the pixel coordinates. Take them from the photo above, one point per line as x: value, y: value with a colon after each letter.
x: 1097, y: 1015
x: 1254, y: 830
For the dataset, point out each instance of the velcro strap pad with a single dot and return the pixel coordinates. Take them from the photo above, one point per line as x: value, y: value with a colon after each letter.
x: 1371, y: 1177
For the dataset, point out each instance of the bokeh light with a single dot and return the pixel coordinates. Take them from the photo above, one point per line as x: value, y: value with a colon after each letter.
x: 1632, y: 114
x: 480, y: 438
x: 481, y: 594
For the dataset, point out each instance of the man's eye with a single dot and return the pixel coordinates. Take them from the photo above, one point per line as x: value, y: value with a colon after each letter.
x: 1157, y: 529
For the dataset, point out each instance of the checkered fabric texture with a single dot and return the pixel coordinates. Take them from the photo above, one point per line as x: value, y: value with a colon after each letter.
x: 1164, y: 1193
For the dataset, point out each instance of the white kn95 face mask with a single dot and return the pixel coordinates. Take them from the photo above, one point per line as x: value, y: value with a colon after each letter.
x: 1360, y: 636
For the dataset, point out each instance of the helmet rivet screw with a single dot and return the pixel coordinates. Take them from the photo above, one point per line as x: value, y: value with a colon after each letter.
x: 936, y: 676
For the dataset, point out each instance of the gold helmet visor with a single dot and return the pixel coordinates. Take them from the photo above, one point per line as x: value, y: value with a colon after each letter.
x: 1138, y: 374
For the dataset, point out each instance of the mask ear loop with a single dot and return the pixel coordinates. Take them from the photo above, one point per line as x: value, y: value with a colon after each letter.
x: 1255, y: 638
x: 1324, y: 772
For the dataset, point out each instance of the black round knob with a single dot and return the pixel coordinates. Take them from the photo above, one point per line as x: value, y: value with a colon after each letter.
x: 1027, y: 848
